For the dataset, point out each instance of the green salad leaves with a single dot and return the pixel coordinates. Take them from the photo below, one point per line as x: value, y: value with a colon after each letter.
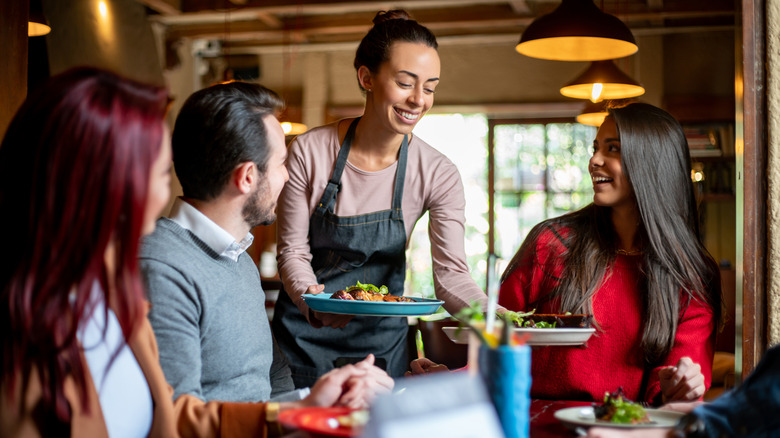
x: 382, y: 290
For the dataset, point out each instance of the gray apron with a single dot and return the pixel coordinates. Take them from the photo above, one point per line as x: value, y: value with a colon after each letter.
x: 368, y: 248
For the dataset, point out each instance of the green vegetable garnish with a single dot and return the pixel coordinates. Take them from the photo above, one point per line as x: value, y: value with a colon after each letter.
x: 518, y: 318
x: 617, y: 409
x: 369, y: 288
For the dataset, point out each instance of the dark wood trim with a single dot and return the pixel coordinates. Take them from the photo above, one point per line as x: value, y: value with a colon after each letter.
x: 491, y: 193
x: 752, y: 116
x: 13, y: 73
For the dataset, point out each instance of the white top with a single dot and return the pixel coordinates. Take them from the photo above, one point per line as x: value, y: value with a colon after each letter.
x: 121, y: 385
x: 222, y: 242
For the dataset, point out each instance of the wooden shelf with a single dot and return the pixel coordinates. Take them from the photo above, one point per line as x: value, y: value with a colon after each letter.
x: 718, y: 197
x: 714, y: 159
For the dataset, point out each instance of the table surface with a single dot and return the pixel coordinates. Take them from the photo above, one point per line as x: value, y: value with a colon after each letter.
x: 542, y: 418
x: 543, y: 421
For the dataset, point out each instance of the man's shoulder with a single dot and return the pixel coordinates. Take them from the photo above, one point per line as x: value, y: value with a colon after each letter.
x: 169, y: 242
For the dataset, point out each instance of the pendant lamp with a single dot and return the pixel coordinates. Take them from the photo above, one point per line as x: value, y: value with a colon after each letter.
x: 37, y: 24
x: 577, y: 31
x: 593, y: 113
x: 293, y: 128
x: 602, y: 80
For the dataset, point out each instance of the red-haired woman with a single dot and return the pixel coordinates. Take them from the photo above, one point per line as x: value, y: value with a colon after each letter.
x: 84, y: 173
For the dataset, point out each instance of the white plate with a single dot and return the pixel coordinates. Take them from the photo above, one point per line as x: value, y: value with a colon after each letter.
x: 536, y: 336
x: 583, y: 416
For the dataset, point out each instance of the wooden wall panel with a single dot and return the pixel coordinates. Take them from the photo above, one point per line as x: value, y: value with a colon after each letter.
x: 13, y: 69
x: 754, y: 174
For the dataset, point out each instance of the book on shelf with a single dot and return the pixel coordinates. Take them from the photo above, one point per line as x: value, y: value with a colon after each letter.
x: 709, y: 140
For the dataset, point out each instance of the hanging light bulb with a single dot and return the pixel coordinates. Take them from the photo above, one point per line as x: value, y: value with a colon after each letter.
x: 602, y: 80
x: 577, y: 31
x: 293, y: 128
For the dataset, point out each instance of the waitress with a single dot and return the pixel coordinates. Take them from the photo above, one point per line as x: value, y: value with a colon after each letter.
x: 357, y: 187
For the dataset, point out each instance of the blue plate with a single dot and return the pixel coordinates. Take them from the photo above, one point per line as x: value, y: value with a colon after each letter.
x: 323, y: 303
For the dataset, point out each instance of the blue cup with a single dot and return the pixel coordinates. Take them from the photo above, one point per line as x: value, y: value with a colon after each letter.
x: 506, y: 372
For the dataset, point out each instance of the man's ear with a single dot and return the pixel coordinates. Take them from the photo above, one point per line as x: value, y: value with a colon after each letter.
x: 245, y: 176
x: 365, y: 78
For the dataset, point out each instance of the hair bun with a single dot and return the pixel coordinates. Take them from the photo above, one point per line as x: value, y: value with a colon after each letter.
x: 395, y: 14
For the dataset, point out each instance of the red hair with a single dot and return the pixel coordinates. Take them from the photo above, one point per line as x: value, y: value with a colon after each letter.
x: 74, y: 176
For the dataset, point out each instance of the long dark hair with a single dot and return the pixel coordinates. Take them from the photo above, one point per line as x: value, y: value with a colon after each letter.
x: 217, y: 129
x: 389, y: 27
x: 74, y: 177
x: 656, y: 162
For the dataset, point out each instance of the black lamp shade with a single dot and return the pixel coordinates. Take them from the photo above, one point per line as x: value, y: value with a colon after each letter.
x: 577, y: 31
x: 37, y: 24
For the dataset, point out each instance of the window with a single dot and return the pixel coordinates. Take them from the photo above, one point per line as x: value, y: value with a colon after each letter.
x: 539, y: 171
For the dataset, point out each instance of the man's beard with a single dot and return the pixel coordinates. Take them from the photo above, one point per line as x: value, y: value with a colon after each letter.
x: 255, y: 211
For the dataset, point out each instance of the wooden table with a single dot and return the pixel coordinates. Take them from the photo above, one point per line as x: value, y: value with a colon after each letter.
x: 543, y: 421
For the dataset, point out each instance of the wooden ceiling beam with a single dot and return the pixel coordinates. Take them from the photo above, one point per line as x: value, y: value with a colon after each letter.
x: 351, y: 25
x: 164, y: 7
x: 328, y: 6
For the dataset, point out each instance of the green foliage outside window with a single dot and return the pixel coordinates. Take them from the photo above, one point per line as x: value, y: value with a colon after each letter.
x: 540, y: 171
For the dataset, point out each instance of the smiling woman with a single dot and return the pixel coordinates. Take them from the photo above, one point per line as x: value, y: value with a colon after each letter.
x: 357, y: 188
x: 656, y: 306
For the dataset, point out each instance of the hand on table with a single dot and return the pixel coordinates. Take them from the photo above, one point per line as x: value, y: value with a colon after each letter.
x: 362, y: 391
x: 354, y: 386
x: 682, y: 382
x: 323, y: 319
x: 425, y: 366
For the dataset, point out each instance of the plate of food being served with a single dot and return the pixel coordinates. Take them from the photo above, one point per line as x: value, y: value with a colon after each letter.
x: 539, y: 329
x: 619, y: 412
x: 369, y: 300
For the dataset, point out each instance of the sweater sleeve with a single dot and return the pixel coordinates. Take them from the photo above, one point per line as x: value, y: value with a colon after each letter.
x: 187, y: 415
x: 175, y: 316
x: 281, y: 376
x: 452, y: 280
x: 751, y: 408
x: 534, y: 271
x: 198, y: 419
x: 695, y: 338
x: 294, y: 252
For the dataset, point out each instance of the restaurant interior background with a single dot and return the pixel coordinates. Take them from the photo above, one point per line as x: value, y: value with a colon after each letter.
x: 498, y: 115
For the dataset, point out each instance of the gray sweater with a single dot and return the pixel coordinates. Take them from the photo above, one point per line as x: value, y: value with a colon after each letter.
x: 208, y: 314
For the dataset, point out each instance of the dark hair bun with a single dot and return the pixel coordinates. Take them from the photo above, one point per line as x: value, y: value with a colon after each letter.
x: 395, y: 14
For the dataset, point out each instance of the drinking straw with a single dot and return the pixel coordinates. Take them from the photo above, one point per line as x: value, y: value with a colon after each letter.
x: 419, y: 342
x: 492, y: 292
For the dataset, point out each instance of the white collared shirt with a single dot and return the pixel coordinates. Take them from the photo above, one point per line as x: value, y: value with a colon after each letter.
x: 222, y: 242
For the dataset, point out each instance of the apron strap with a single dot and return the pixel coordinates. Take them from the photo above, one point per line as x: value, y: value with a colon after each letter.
x: 334, y: 184
x: 400, y: 175
x: 329, y: 195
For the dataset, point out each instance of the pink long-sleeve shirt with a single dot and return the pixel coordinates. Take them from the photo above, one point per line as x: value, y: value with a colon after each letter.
x: 432, y: 184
